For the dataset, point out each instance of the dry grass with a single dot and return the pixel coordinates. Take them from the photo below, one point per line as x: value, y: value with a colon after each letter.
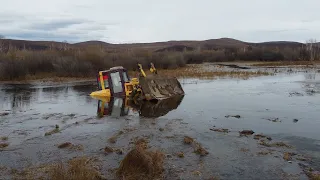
x: 81, y: 168
x: 141, y: 164
x: 198, y: 149
x: 141, y: 142
x: 276, y: 144
x: 286, y: 63
x: 263, y: 153
x: 197, y: 72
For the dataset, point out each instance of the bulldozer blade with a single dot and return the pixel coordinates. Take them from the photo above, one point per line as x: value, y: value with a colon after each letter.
x: 157, y: 87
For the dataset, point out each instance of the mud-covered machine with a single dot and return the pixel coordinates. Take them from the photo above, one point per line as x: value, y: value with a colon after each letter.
x: 115, y: 82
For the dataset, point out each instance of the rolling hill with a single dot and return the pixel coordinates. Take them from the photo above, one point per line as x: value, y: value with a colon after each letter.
x: 155, y: 46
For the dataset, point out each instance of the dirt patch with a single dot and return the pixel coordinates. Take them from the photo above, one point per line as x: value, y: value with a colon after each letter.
x: 244, y: 150
x: 69, y: 145
x: 276, y: 144
x: 261, y: 136
x: 140, y: 142
x: 246, y: 132
x: 3, y: 145
x: 188, y: 140
x: 65, y: 145
x: 220, y: 130
x: 141, y: 164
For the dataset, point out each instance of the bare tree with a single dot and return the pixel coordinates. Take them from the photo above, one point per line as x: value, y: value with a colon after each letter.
x: 1, y: 43
x: 312, y: 49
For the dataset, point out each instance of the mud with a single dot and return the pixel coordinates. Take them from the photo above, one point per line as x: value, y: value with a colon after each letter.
x: 88, y: 123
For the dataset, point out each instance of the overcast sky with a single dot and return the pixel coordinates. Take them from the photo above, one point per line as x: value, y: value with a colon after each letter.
x: 126, y: 21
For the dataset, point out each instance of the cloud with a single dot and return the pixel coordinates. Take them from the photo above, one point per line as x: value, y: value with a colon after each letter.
x: 56, y: 24
x: 148, y: 21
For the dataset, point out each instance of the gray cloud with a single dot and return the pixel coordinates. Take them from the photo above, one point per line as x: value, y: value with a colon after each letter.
x: 148, y: 21
x: 55, y: 24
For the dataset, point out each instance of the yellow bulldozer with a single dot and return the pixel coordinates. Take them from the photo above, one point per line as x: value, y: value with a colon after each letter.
x: 115, y: 82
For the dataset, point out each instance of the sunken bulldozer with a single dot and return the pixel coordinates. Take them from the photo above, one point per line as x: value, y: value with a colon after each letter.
x: 115, y: 82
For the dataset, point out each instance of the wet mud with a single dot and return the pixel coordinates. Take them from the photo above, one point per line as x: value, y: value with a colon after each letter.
x: 220, y: 129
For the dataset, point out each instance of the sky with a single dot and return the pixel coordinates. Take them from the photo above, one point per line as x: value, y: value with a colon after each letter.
x: 128, y: 21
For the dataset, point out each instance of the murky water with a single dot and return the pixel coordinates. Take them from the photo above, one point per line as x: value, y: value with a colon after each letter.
x: 285, y: 106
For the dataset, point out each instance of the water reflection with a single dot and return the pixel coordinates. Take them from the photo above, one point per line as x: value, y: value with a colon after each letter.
x: 117, y: 107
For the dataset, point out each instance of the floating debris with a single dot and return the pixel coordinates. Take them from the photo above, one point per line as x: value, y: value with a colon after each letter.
x: 161, y: 129
x: 274, y: 120
x: 235, y: 116
x: 295, y: 94
x: 220, y: 130
x: 180, y: 154
x: 295, y: 120
x: 263, y: 153
x: 244, y: 150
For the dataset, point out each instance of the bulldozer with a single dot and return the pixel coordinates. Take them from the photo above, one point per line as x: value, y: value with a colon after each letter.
x: 117, y: 107
x: 115, y: 82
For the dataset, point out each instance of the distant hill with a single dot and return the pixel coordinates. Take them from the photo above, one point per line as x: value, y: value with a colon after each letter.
x: 155, y: 46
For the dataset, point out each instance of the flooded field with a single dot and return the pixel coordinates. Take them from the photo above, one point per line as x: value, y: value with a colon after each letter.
x: 282, y: 110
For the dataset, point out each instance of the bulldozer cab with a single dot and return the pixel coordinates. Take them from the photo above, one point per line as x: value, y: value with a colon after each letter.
x: 114, y: 80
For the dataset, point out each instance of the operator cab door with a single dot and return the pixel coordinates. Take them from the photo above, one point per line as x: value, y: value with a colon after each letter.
x: 117, y: 83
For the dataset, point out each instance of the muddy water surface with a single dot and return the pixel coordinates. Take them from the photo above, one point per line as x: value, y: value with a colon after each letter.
x: 285, y: 107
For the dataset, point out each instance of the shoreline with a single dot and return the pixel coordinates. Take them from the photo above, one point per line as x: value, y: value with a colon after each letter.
x: 50, y: 79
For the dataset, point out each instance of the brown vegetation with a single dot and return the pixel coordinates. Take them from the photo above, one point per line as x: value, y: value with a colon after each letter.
x: 141, y: 164
x: 81, y: 168
x: 26, y: 60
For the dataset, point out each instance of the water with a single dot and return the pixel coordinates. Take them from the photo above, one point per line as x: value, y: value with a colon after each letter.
x: 293, y: 100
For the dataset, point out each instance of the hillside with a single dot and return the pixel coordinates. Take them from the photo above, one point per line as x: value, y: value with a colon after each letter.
x: 155, y: 46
